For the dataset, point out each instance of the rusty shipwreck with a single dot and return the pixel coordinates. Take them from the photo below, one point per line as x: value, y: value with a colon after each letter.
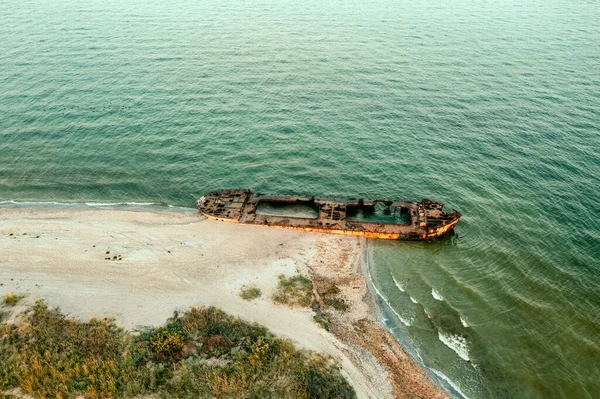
x: 391, y: 220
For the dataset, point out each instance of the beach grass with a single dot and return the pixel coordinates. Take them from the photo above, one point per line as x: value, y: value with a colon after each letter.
x: 294, y: 291
x: 11, y: 299
x: 250, y: 292
x: 199, y: 353
x: 330, y: 295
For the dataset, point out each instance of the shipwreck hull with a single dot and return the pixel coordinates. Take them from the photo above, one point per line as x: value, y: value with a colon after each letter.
x: 422, y: 220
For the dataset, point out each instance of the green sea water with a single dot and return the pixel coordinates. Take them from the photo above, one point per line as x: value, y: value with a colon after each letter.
x: 492, y: 107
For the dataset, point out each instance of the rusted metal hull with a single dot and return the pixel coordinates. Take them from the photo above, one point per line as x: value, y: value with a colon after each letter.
x: 425, y: 220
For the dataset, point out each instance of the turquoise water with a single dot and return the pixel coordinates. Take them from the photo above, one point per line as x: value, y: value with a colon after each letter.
x: 492, y: 107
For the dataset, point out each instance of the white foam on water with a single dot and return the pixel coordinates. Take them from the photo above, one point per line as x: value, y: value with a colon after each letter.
x: 416, y: 354
x: 436, y: 295
x: 404, y: 321
x: 464, y: 322
x: 400, y: 286
x: 449, y: 381
x: 88, y: 204
x: 413, y: 300
x: 37, y: 203
x: 123, y: 203
x: 455, y: 342
x: 426, y: 312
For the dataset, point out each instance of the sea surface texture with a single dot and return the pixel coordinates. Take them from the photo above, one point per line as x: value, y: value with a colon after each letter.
x: 492, y: 107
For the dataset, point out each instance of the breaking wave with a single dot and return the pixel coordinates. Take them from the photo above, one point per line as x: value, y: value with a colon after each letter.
x: 56, y: 204
x: 436, y: 295
x: 464, y: 322
x: 400, y: 286
x: 413, y: 300
x: 455, y: 342
x: 93, y: 204
x: 448, y: 381
x: 38, y: 203
x: 427, y: 312
x: 404, y: 321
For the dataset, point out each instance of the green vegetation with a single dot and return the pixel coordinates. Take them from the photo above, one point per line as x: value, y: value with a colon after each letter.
x: 250, y: 292
x: 167, y: 343
x: 199, y: 353
x: 294, y: 291
x: 329, y: 294
x: 322, y: 320
x: 11, y: 299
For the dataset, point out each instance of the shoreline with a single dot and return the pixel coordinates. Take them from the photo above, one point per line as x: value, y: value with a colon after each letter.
x: 362, y: 327
x: 440, y: 380
x: 171, y: 259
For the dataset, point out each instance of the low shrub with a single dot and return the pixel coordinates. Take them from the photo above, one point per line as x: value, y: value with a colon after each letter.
x: 216, y: 345
x: 251, y: 292
x: 294, y: 291
x: 330, y: 295
x: 167, y: 344
x: 11, y: 299
x: 50, y: 355
x: 322, y: 321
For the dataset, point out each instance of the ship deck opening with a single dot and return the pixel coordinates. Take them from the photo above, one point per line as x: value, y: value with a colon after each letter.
x: 379, y: 213
x: 287, y: 209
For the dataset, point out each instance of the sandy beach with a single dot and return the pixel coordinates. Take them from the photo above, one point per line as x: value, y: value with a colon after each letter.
x: 138, y: 267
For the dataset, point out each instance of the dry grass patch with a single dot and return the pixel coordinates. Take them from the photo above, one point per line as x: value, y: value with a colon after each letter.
x: 294, y: 291
x: 250, y: 292
x: 11, y: 299
x: 330, y: 295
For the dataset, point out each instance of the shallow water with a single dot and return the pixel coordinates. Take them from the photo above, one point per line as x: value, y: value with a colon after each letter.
x: 490, y: 107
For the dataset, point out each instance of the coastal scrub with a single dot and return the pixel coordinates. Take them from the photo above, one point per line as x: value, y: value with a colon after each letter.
x: 202, y: 352
x: 294, y: 291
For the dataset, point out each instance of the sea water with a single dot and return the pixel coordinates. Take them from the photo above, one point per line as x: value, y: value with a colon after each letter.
x: 492, y: 107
